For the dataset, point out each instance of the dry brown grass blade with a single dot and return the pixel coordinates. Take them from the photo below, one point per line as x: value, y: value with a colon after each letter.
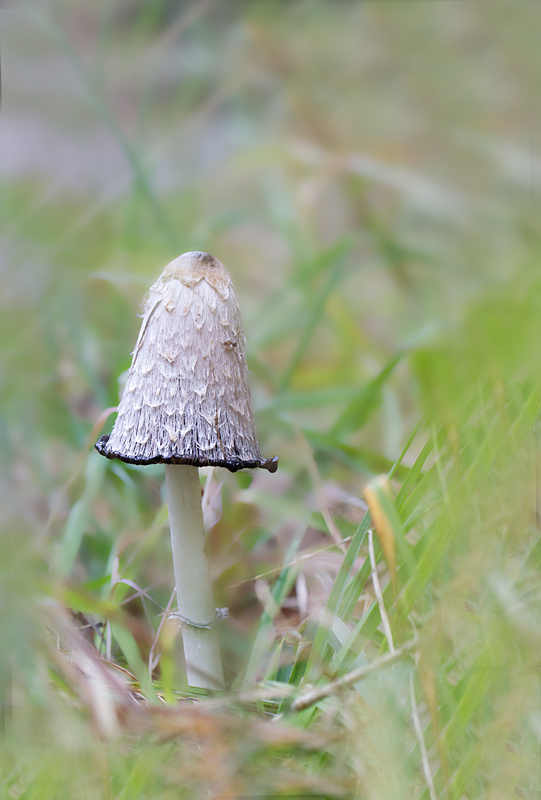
x: 98, y: 425
x: 101, y: 686
x: 382, y: 524
x: 110, y: 694
x: 314, y: 695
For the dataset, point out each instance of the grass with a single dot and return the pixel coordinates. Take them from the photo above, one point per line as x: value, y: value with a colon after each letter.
x: 368, y: 177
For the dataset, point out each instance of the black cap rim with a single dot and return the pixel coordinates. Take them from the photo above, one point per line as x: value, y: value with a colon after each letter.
x: 270, y: 464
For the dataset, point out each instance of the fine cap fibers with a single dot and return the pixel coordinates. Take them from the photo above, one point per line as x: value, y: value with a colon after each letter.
x: 186, y: 399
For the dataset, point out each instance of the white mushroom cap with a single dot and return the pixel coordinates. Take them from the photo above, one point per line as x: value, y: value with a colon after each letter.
x: 186, y: 399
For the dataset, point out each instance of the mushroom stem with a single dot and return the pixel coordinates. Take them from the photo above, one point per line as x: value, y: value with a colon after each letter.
x: 192, y: 577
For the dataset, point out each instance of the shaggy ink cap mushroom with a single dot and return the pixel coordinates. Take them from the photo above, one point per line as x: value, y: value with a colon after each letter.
x: 186, y: 399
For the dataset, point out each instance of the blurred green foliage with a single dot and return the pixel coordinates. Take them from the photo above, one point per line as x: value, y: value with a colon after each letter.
x: 369, y: 174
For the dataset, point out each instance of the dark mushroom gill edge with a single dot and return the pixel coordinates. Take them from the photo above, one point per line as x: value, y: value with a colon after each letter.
x: 270, y: 464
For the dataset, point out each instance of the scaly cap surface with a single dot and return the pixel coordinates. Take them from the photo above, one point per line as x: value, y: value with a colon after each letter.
x: 186, y: 399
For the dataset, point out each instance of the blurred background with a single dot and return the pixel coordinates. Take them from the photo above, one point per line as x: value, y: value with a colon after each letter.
x: 369, y: 174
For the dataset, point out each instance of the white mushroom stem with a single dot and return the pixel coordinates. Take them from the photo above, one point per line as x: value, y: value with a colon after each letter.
x: 192, y: 576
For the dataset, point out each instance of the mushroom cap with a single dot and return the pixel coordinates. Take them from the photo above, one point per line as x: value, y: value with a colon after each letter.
x: 186, y: 399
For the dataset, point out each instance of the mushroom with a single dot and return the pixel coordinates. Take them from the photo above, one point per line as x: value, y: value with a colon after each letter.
x: 186, y: 404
